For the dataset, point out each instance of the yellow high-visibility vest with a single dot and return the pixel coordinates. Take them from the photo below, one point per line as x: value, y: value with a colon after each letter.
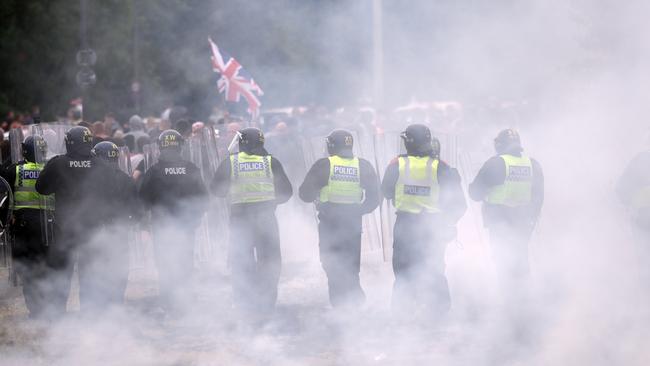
x: 344, y: 184
x: 251, y: 178
x: 25, y: 195
x: 516, y: 189
x: 417, y: 189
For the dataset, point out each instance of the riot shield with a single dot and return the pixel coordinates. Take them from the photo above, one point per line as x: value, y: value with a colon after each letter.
x: 151, y: 154
x: 16, y: 138
x: 211, y: 150
x: 200, y: 149
x: 141, y: 247
x: 6, y: 207
x: 388, y: 145
x: 47, y: 203
x: 124, y: 160
x: 219, y: 212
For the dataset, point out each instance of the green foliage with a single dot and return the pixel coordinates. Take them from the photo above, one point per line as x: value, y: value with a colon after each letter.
x: 282, y: 44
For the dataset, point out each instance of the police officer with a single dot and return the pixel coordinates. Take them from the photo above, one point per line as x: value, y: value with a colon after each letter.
x: 174, y: 192
x: 511, y: 187
x: 83, y: 186
x: 429, y: 201
x: 105, y: 261
x: 344, y: 188
x: 29, y: 224
x: 255, y: 184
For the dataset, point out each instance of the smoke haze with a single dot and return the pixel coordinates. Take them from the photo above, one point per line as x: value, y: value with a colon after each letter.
x: 576, y: 75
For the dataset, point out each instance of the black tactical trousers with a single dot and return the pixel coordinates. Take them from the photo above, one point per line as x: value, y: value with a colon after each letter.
x: 255, y: 260
x: 60, y: 266
x: 30, y: 254
x: 340, y: 254
x: 419, y: 265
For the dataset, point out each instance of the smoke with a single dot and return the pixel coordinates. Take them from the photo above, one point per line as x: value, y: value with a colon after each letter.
x: 576, y: 71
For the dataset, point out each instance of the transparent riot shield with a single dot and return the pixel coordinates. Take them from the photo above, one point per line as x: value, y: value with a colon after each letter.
x: 124, y: 160
x: 315, y: 148
x: 6, y: 242
x: 141, y: 246
x: 218, y: 215
x: 365, y: 148
x: 200, y: 149
x: 388, y: 145
x: 54, y: 135
x: 16, y: 138
x: 211, y: 151
x: 47, y: 203
x: 151, y: 154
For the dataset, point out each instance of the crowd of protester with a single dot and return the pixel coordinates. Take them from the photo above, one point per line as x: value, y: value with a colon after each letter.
x: 285, y: 128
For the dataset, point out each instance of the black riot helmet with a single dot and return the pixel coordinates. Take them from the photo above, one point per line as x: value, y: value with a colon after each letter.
x: 508, y: 141
x: 34, y: 149
x: 418, y: 141
x: 107, y: 151
x: 79, y: 141
x: 340, y: 142
x: 170, y: 143
x: 251, y: 139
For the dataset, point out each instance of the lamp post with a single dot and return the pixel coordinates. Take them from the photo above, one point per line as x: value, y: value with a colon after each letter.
x: 378, y: 54
x: 86, y: 59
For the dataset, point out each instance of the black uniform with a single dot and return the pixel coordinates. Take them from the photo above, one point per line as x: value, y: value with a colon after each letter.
x: 29, y: 250
x: 83, y: 186
x: 339, y: 230
x: 106, y: 261
x: 254, y: 251
x: 420, y: 242
x: 175, y: 193
x: 510, y: 228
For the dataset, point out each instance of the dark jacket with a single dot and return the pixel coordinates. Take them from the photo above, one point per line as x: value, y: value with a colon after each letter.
x: 83, y: 186
x: 174, y: 190
x: 493, y: 173
x: 220, y: 186
x: 452, y: 199
x: 318, y: 177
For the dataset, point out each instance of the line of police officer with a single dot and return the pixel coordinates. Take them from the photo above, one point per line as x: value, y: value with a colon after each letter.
x: 93, y: 197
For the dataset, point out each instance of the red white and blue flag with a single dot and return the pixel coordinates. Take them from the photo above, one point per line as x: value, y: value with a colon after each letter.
x: 235, y: 82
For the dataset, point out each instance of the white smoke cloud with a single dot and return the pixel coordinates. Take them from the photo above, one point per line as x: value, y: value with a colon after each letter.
x: 583, y: 65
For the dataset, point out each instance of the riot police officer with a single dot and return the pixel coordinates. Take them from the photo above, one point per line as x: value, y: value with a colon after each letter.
x: 511, y: 187
x: 29, y: 225
x: 174, y: 192
x: 429, y: 201
x: 83, y: 187
x: 344, y: 188
x: 255, y: 184
x: 104, y: 263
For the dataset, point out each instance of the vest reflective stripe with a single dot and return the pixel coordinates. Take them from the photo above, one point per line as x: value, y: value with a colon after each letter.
x: 417, y: 188
x: 251, y: 178
x: 516, y: 189
x: 344, y: 184
x: 25, y: 195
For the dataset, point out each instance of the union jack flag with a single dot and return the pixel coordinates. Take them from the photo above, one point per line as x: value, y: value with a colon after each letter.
x: 235, y: 82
